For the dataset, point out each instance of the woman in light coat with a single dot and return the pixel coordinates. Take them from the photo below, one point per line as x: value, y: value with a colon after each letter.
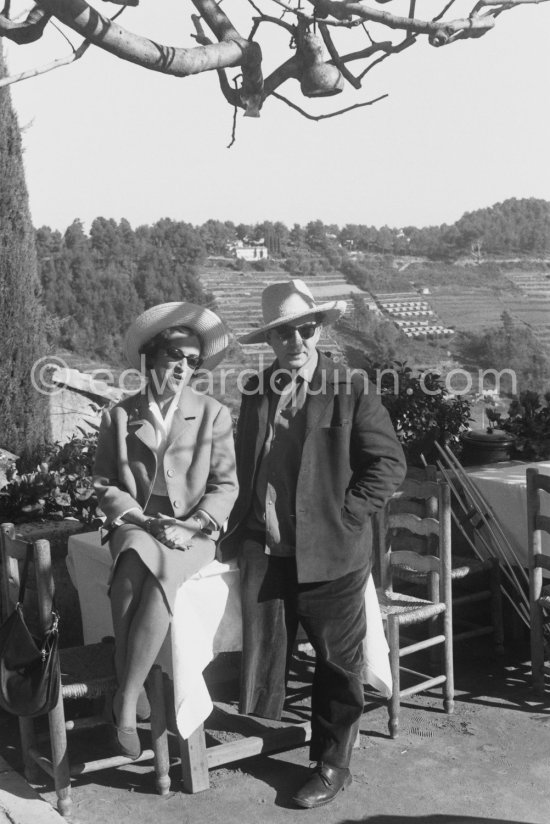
x: 165, y: 478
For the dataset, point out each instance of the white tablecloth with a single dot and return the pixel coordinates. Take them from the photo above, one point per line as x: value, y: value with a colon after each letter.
x: 504, y: 487
x: 207, y: 620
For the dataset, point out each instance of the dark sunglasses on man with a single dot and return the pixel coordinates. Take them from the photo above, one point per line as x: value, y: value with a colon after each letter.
x: 306, y: 331
x: 175, y: 354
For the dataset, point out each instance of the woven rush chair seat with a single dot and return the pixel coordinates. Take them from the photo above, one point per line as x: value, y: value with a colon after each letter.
x: 412, y: 544
x: 411, y: 610
x: 480, y: 579
x: 86, y: 672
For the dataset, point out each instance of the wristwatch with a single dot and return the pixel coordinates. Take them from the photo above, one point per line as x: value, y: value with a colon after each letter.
x: 204, y: 522
x: 147, y: 525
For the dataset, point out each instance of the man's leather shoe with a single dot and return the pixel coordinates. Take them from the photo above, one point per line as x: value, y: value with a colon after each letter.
x: 322, y: 786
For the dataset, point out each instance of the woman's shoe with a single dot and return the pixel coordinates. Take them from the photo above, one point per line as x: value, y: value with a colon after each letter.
x: 125, y: 740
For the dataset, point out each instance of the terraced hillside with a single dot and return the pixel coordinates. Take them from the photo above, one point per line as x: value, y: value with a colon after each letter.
x: 533, y: 305
x: 237, y: 299
x: 470, y: 309
x: 413, y: 315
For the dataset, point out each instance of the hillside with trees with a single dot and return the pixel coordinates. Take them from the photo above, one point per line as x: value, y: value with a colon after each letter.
x: 94, y: 283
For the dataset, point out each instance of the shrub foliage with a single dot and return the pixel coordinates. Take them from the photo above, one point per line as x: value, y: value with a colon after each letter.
x: 23, y: 418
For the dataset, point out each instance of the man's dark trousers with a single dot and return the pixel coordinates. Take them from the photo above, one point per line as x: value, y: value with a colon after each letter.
x: 332, y: 614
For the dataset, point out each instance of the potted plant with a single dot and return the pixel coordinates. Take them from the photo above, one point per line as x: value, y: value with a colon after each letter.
x: 57, y: 487
x: 49, y: 495
x: 528, y: 423
x: 421, y: 409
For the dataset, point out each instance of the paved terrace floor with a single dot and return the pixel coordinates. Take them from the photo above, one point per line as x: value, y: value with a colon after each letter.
x: 489, y: 762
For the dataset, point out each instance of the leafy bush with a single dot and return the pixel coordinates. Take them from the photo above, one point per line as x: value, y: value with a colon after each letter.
x: 421, y: 410
x: 56, y: 485
x: 529, y: 420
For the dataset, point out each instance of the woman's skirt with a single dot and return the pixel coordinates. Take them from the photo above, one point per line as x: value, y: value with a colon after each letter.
x: 171, y: 567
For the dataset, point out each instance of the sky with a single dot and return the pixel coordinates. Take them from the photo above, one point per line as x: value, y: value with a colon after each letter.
x: 465, y: 126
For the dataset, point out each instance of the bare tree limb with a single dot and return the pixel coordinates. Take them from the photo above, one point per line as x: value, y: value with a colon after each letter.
x: 26, y: 31
x: 276, y: 21
x: 48, y: 67
x: 405, y: 44
x: 509, y: 5
x: 439, y: 32
x: 444, y: 10
x: 349, y: 24
x: 286, y: 71
x: 231, y: 95
x: 330, y: 114
x: 336, y: 59
x: 234, y: 128
x: 385, y: 46
x: 229, y: 49
x: 500, y: 7
x: 99, y: 30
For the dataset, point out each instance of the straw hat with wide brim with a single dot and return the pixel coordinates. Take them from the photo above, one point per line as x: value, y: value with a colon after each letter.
x: 289, y: 302
x: 205, y: 323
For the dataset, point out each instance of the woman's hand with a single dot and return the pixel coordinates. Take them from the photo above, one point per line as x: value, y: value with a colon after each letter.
x: 173, y: 533
x: 154, y: 526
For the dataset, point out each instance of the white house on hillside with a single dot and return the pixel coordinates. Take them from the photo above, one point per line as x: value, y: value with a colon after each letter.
x: 249, y: 250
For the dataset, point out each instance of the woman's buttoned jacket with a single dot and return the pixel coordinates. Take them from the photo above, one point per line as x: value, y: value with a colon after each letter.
x: 198, y: 462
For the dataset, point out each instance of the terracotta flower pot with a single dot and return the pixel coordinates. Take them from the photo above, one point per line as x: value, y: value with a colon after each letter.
x: 486, y: 447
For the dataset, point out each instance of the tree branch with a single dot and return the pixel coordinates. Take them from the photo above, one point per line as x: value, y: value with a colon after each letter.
x: 99, y: 30
x: 251, y: 92
x: 231, y: 95
x: 336, y: 59
x: 48, y: 67
x: 25, y: 31
x: 349, y: 24
x: 330, y: 114
x: 286, y: 71
x: 439, y: 32
x: 234, y: 50
x: 385, y: 46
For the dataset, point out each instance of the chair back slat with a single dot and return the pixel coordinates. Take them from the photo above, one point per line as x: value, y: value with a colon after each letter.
x: 542, y: 522
x: 538, y: 561
x: 414, y: 488
x: 419, y: 525
x: 542, y: 562
x: 14, y: 552
x: 413, y: 523
x: 415, y: 562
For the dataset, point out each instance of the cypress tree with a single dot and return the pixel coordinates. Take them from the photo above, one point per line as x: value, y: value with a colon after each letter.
x: 24, y: 420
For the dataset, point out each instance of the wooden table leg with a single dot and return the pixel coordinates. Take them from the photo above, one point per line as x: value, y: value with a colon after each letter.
x: 194, y: 764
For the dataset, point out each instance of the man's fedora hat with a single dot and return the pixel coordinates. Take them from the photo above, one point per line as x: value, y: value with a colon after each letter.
x: 203, y: 322
x: 289, y: 302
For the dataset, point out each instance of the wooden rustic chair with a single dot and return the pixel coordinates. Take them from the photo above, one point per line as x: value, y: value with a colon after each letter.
x: 86, y: 672
x: 401, y: 609
x: 483, y: 573
x: 539, y: 593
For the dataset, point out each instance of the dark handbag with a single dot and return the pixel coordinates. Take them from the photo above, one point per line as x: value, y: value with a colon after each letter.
x: 29, y: 667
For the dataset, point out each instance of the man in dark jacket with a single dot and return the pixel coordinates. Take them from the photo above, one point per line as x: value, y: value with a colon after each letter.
x: 316, y: 457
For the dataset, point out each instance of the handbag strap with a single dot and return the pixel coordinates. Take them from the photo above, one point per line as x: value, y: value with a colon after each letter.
x: 23, y: 585
x: 24, y: 574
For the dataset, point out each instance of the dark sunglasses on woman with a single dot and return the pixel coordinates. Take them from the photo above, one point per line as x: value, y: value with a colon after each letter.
x: 175, y: 354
